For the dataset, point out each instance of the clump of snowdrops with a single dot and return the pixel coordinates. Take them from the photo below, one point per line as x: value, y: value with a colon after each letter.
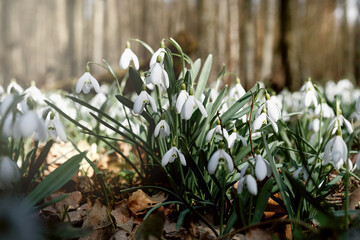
x: 225, y: 151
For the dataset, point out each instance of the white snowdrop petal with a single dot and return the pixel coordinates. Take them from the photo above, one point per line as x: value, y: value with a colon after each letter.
x: 229, y: 161
x: 152, y: 103
x: 347, y: 125
x: 155, y: 75
x: 214, y: 162
x: 139, y: 103
x: 240, y: 185
x: 135, y: 60
x: 209, y: 135
x: 260, y: 168
x: 251, y: 184
x: 183, y: 95
x: 80, y: 83
x: 157, y: 129
x: 165, y: 78
x: 358, y: 105
x: 201, y: 108
x: 166, y: 158
x: 60, y: 130
x: 94, y: 83
x: 125, y: 59
x: 28, y: 123
x: 188, y: 108
x: 357, y: 160
x: 182, y: 158
x: 6, y: 103
x: 259, y: 121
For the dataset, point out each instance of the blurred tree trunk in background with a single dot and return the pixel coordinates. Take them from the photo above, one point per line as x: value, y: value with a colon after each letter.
x: 267, y: 56
x: 249, y: 46
x: 357, y: 48
x: 280, y: 42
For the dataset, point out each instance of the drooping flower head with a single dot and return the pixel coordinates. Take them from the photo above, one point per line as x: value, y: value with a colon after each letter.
x: 162, y: 128
x: 171, y: 155
x: 86, y: 82
x: 237, y: 91
x: 310, y: 94
x: 14, y: 87
x: 220, y: 155
x: 217, y: 132
x: 190, y: 105
x: 261, y: 119
x: 335, y: 151
x: 143, y: 99
x: 158, y: 75
x: 9, y: 173
x: 55, y: 128
x: 127, y: 57
x: 181, y: 98
x: 160, y: 52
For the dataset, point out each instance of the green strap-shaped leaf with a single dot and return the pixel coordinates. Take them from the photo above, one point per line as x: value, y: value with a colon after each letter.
x: 262, y: 201
x: 204, y: 77
x: 135, y: 80
x: 55, y: 180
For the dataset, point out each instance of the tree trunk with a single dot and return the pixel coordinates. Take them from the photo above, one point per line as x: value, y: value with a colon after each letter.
x: 267, y: 56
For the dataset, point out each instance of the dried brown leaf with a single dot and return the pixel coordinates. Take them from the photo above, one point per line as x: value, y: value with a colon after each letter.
x: 139, y: 201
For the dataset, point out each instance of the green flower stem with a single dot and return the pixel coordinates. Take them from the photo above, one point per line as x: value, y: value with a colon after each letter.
x: 158, y: 97
x: 222, y: 198
x: 347, y: 182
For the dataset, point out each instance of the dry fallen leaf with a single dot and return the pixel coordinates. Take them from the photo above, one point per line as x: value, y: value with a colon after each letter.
x: 99, y: 220
x: 123, y: 217
x: 71, y: 202
x: 139, y: 201
x: 257, y: 233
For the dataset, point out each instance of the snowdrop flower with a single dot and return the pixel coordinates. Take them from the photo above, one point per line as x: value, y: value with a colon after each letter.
x: 250, y: 183
x: 128, y: 56
x: 327, y: 111
x: 29, y: 122
x: 190, y: 105
x: 335, y: 151
x: 357, y: 161
x: 234, y: 137
x: 158, y: 74
x: 314, y: 125
x: 220, y: 154
x: 340, y: 119
x: 14, y: 86
x: 358, y: 105
x: 34, y: 93
x: 262, y: 168
x: 9, y: 173
x: 181, y: 98
x: 160, y: 52
x: 143, y: 99
x: 6, y: 103
x: 217, y: 132
x: 86, y: 82
x: 272, y: 108
x: 262, y: 119
x: 55, y: 128
x: 162, y: 128
x: 310, y: 93
x: 237, y: 91
x: 171, y: 155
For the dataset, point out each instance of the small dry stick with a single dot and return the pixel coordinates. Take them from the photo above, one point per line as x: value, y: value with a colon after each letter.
x: 251, y: 110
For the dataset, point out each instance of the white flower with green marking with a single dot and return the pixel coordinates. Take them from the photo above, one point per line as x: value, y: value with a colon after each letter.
x: 128, y: 56
x: 171, y: 155
x: 86, y: 82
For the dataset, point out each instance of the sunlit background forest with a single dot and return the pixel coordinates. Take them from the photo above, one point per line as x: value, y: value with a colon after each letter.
x: 279, y: 42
